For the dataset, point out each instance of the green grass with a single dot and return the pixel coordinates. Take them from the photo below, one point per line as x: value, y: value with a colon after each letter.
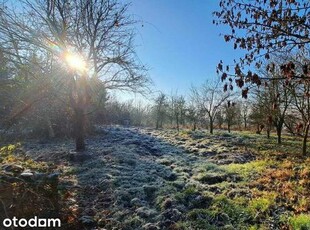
x: 262, y: 204
x: 237, y: 214
x: 247, y: 170
x: 300, y: 222
x: 208, y: 167
x: 260, y: 143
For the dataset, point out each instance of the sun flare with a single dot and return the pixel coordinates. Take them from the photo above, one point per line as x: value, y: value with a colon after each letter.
x: 75, y: 61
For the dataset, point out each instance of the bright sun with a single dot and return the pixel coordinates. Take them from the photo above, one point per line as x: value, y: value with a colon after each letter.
x: 75, y: 61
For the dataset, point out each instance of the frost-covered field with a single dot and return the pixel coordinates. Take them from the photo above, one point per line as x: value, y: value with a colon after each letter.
x: 132, y: 178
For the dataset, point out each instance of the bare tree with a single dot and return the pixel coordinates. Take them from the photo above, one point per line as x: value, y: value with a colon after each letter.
x: 160, y: 109
x: 178, y: 109
x: 301, y: 105
x: 138, y: 113
x: 262, y: 111
x: 245, y: 111
x: 100, y: 31
x: 209, y: 98
x: 192, y: 113
x: 219, y: 118
x: 281, y: 99
x: 231, y: 112
x: 258, y: 114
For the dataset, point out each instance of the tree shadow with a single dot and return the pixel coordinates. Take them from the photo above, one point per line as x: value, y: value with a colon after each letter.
x: 127, y: 178
x: 116, y: 182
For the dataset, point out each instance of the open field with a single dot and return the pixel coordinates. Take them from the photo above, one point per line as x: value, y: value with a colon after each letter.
x: 132, y: 178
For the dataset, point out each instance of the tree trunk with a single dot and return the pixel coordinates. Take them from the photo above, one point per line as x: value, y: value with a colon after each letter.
x: 279, y: 133
x: 228, y: 127
x: 211, y: 126
x: 268, y: 133
x: 304, y: 143
x: 79, y: 108
x: 51, y: 133
x: 79, y: 129
x: 258, y: 131
x: 194, y: 127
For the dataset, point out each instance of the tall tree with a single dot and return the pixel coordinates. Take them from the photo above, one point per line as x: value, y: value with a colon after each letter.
x: 280, y: 95
x: 301, y: 101
x: 100, y: 31
x: 263, y: 28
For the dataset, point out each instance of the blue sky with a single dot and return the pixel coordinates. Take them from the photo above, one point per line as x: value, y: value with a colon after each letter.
x: 179, y: 43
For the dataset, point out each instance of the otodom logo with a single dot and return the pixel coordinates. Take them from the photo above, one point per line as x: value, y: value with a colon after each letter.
x: 34, y: 222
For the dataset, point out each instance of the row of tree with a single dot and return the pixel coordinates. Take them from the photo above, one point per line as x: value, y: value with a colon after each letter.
x: 274, y: 106
x: 41, y: 92
x: 265, y: 30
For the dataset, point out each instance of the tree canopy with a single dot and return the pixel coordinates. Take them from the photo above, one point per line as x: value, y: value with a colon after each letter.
x: 263, y: 28
x: 68, y: 50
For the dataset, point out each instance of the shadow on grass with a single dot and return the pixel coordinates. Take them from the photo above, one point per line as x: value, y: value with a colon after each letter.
x: 131, y: 178
x: 115, y: 183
